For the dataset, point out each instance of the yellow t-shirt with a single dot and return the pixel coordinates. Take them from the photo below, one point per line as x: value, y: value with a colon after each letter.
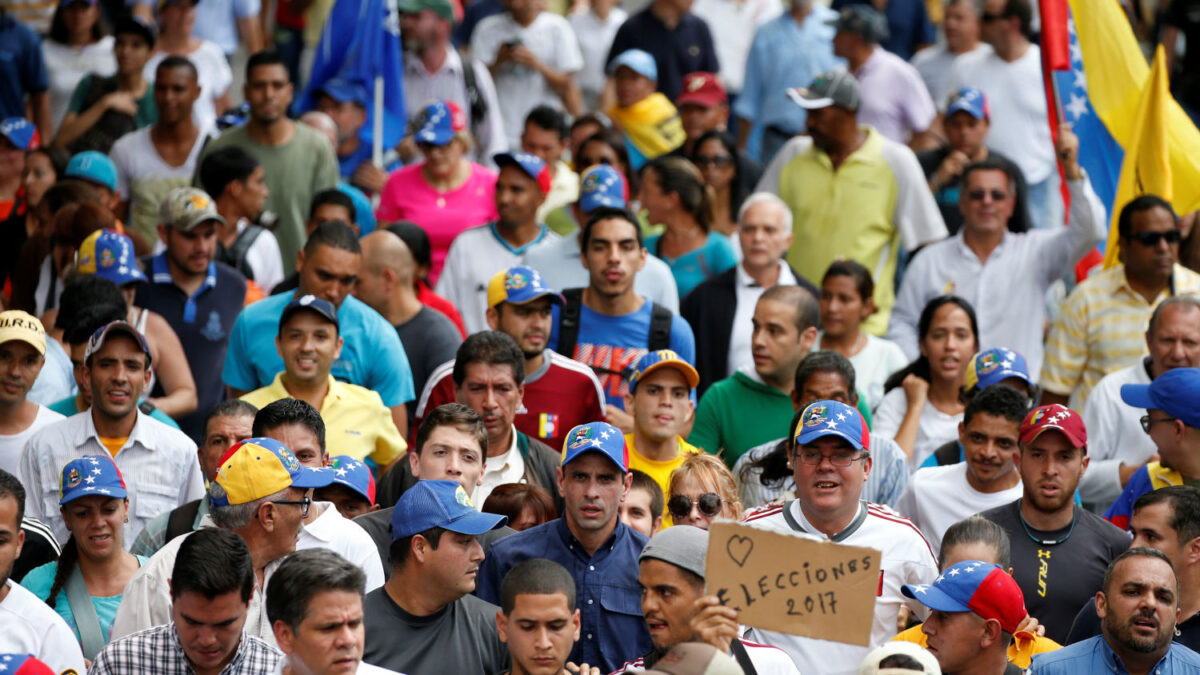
x: 660, y: 471
x: 1020, y: 652
x: 113, y: 445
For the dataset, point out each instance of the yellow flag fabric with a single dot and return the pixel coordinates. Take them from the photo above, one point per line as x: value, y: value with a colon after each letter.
x: 652, y: 125
x: 1147, y: 165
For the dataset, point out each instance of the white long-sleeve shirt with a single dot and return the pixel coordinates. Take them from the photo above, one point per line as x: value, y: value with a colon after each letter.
x: 1115, y: 437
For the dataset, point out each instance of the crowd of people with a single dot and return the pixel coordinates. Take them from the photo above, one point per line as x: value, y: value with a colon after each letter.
x: 270, y: 403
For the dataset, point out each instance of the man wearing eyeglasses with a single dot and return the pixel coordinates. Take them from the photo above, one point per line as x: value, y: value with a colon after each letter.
x: 1004, y: 275
x: 830, y: 460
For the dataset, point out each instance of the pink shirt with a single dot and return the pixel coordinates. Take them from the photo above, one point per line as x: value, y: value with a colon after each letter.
x: 406, y: 196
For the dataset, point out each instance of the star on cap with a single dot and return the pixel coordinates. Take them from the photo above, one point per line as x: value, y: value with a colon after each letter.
x: 831, y: 424
x: 90, y: 479
x: 88, y: 488
x: 1006, y: 364
x: 93, y: 460
x: 341, y: 472
x: 97, y: 471
x: 921, y: 589
x: 105, y: 491
x: 605, y: 434
x: 841, y: 417
x: 954, y: 572
x: 595, y: 442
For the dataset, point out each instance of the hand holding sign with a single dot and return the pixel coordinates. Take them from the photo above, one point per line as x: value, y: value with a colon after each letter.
x: 791, y: 584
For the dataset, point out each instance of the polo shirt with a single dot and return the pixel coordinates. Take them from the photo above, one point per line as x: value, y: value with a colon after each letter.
x: 687, y: 48
x: 1095, y: 656
x: 874, y: 203
x: 1101, y: 328
x: 606, y: 587
x: 202, y: 322
x: 896, y: 102
x: 1115, y: 436
x: 738, y: 413
x: 372, y: 355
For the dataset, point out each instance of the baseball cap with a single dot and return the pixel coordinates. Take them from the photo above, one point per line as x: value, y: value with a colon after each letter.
x: 703, y: 89
x: 596, y: 437
x: 969, y: 100
x: 442, y: 8
x: 1175, y: 392
x: 684, y: 546
x: 90, y: 475
x: 136, y: 26
x: 439, y: 122
x: 870, y: 664
x: 21, y: 133
x: 440, y: 503
x: 103, y: 333
x: 310, y: 303
x: 1055, y: 416
x: 992, y: 366
x: 695, y: 658
x: 187, y: 207
x: 353, y: 474
x: 24, y: 664
x: 94, y: 167
x: 974, y: 586
x: 834, y: 87
x: 519, y: 285
x: 637, y: 60
x: 663, y: 358
x: 109, y: 255
x: 260, y: 467
x: 832, y: 418
x: 18, y: 325
x: 602, y: 185
x: 344, y: 91
x: 532, y: 165
x: 862, y: 20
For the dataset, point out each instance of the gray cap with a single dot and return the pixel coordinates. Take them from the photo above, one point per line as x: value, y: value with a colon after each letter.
x: 184, y: 208
x: 862, y: 20
x: 683, y: 546
x: 834, y: 87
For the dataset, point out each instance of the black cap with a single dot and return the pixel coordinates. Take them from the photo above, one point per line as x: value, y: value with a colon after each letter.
x: 136, y: 26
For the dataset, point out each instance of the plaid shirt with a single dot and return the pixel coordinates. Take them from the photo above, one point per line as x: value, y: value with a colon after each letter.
x: 157, y: 650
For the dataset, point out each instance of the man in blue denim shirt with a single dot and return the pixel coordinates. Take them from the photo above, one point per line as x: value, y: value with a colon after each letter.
x: 591, y: 542
x: 1139, y: 607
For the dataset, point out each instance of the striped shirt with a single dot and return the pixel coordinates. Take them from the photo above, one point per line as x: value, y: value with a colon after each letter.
x: 157, y: 650
x: 1100, y: 329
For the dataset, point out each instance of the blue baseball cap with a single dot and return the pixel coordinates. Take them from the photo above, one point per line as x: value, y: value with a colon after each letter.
x: 992, y: 366
x: 832, y: 418
x: 440, y: 503
x: 353, y: 474
x: 94, y: 167
x: 532, y: 165
x: 596, y: 437
x: 637, y: 60
x: 602, y: 185
x: 662, y: 358
x: 1175, y: 392
x: 109, y: 255
x: 310, y: 303
x: 519, y: 285
x: 974, y: 586
x: 21, y: 133
x: 344, y: 91
x: 439, y: 122
x: 91, y: 475
x: 969, y: 100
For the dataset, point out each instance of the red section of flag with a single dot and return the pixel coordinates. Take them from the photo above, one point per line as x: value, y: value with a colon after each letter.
x: 1056, y: 55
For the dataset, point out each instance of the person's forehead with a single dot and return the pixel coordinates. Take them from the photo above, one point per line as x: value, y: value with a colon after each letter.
x: 613, y: 229
x: 268, y: 72
x: 1051, y: 440
x: 540, y: 606
x: 492, y: 373
x: 666, y: 376
x: 767, y: 310
x: 295, y: 433
x: 330, y: 255
x: 593, y: 463
x: 307, y: 320
x: 987, y: 177
x: 237, y: 422
x: 511, y: 175
x: 764, y: 213
x: 452, y: 436
x: 1154, y: 217
x: 826, y: 379
x: 640, y: 495
x: 17, y: 346
x: 1152, y: 516
x: 986, y: 421
x: 1146, y: 570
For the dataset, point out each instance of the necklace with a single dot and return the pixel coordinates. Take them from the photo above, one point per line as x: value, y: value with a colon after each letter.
x: 1047, y: 542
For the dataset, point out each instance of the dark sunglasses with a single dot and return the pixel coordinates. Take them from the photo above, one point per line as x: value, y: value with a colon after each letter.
x: 715, y: 160
x: 680, y: 506
x: 1151, y: 239
x: 978, y: 195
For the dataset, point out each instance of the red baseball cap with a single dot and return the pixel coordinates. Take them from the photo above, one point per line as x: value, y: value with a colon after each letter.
x: 702, y: 89
x: 1057, y: 417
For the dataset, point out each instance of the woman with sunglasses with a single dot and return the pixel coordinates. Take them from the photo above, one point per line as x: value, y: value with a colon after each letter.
x: 701, y: 490
x: 731, y: 176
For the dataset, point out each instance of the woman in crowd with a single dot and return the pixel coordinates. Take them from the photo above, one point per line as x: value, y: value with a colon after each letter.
x: 78, y: 43
x: 602, y: 147
x: 43, y: 166
x: 525, y: 505
x: 445, y: 194
x: 674, y: 194
x: 731, y: 179
x: 921, y: 407
x: 700, y: 490
x: 847, y: 301
x: 86, y: 582
x: 175, y: 21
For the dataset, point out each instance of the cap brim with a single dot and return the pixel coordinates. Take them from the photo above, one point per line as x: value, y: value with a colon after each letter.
x: 352, y: 487
x: 79, y: 494
x: 963, y: 108
x: 434, y: 138
x: 698, y: 99
x: 312, y: 478
x: 130, y: 331
x: 808, y: 103
x: 689, y: 373
x: 933, y: 598
x: 476, y: 523
x: 555, y: 299
x: 811, y: 435
x: 1138, y: 396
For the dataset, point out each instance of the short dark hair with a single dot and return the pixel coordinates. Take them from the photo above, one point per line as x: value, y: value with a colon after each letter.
x: 10, y: 486
x: 87, y: 303
x: 417, y: 240
x: 224, y: 166
x: 289, y: 411
x: 335, y: 197
x: 550, y: 119
x: 176, y: 61
x: 998, y: 400
x: 1139, y: 205
x: 230, y: 407
x: 991, y: 163
x: 824, y: 361
x: 266, y: 57
x: 1023, y: 10
x: 606, y: 213
x: 213, y: 561
x: 585, y: 120
x: 511, y: 500
x: 1185, y: 509
x: 536, y: 576
x: 863, y: 283
x: 978, y: 530
x: 401, y: 548
x: 492, y: 347
x: 1186, y: 300
x: 304, y: 574
x: 808, y: 310
x: 334, y: 234
x: 451, y: 415
x: 644, y: 481
x: 1138, y: 552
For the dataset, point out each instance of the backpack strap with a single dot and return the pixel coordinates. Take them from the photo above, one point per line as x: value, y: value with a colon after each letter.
x: 181, y: 519
x: 568, y: 321
x: 241, y: 246
x: 90, y: 635
x: 742, y: 657
x: 475, y: 100
x: 660, y: 328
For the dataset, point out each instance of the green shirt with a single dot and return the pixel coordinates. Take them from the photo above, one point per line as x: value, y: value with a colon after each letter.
x: 146, y: 115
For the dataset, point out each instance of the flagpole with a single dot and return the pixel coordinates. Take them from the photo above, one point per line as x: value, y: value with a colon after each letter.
x: 377, y: 136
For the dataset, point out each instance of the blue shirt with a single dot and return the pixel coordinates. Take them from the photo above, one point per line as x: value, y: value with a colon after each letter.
x: 41, y: 579
x: 687, y: 48
x: 715, y: 256
x: 606, y: 588
x: 372, y: 355
x: 22, y: 68
x: 1095, y: 656
x: 908, y: 25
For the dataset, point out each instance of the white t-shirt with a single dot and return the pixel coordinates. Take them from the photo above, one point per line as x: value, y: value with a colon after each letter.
x: 939, y: 496
x: 11, y: 446
x: 934, y: 65
x: 521, y: 88
x: 733, y: 24
x: 936, y: 427
x: 29, y: 626
x: 595, y: 37
x: 874, y: 365
x: 68, y: 65
x: 214, y: 76
x: 1115, y: 437
x: 144, y: 178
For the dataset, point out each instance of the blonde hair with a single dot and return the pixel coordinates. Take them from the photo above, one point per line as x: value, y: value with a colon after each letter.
x: 711, y: 472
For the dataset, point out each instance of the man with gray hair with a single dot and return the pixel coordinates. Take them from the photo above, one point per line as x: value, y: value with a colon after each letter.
x: 720, y: 308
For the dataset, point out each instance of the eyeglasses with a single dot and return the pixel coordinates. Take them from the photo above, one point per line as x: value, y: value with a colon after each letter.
x: 1151, y: 239
x: 714, y: 160
x: 680, y: 506
x: 304, y: 504
x: 979, y: 195
x: 1148, y: 421
x: 838, y: 459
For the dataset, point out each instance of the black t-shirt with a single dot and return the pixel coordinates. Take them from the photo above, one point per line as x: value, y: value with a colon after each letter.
x: 1185, y: 15
x: 1087, y: 625
x: 947, y: 195
x: 460, y: 638
x: 1058, y: 579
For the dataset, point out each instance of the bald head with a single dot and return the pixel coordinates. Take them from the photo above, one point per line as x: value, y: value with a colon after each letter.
x: 322, y: 123
x: 384, y: 250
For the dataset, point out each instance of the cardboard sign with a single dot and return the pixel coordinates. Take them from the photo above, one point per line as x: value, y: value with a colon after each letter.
x: 789, y: 584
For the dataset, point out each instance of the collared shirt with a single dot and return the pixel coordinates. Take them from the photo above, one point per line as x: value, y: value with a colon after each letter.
x: 356, y: 421
x: 1115, y: 436
x: 422, y: 87
x: 1095, y: 656
x: 158, y: 463
x: 505, y: 468
x: 1100, y: 329
x: 748, y: 291
x: 333, y: 531
x: 888, y: 479
x: 607, y: 591
x: 896, y: 101
x: 157, y: 650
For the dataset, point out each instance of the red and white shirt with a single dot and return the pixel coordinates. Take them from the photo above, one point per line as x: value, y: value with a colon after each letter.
x: 767, y: 660
x: 906, y: 558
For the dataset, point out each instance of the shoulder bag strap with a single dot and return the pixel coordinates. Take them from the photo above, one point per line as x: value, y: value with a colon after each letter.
x: 86, y: 621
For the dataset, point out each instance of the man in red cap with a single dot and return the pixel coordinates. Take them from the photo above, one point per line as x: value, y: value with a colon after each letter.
x: 703, y: 106
x: 1060, y: 550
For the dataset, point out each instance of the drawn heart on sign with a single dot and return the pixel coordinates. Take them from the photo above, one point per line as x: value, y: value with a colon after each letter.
x: 739, y: 548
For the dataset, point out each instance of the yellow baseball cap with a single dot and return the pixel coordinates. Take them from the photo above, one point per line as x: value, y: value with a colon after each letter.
x: 18, y: 325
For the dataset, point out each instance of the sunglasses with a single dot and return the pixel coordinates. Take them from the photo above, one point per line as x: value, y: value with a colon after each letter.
x: 680, y: 506
x: 714, y: 160
x: 1151, y: 239
x: 979, y: 195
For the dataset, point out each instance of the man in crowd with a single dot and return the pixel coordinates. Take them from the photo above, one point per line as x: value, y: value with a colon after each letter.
x: 538, y: 619
x: 679, y: 41
x: 746, y: 410
x: 559, y: 393
x: 22, y: 354
x: 589, y: 540
x: 703, y: 106
x: 659, y: 399
x: 425, y: 617
x: 1059, y: 550
x: 235, y: 180
x: 545, y: 137
x: 644, y: 505
x: 960, y: 26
